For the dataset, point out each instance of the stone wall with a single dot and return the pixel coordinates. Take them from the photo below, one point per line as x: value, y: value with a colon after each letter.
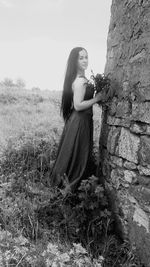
x: 126, y: 124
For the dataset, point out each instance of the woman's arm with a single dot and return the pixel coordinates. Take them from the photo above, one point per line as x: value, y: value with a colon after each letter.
x: 79, y: 88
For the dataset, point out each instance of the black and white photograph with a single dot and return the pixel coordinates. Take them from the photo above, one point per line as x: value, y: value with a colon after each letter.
x: 74, y: 133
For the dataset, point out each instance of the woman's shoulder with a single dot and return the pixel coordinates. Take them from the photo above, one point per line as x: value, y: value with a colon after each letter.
x: 82, y: 77
x: 79, y: 82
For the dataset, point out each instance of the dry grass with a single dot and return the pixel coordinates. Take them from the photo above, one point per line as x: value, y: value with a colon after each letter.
x: 26, y: 115
x: 29, y: 115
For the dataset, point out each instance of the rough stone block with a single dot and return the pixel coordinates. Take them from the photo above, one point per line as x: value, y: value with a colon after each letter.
x: 139, y: 229
x: 122, y: 178
x: 125, y: 122
x: 141, y: 218
x: 112, y: 140
x: 144, y: 151
x: 139, y: 56
x: 143, y: 93
x: 138, y: 235
x: 143, y: 180
x: 105, y: 164
x: 129, y: 176
x: 128, y: 146
x: 144, y: 171
x: 137, y: 128
x: 146, y: 193
x: 126, y: 88
x: 113, y: 106
x: 130, y: 165
x: 147, y: 209
x: 104, y: 135
x: 123, y: 109
x: 115, y: 178
x: 141, y: 193
x: 147, y: 130
x: 116, y: 160
x: 141, y: 112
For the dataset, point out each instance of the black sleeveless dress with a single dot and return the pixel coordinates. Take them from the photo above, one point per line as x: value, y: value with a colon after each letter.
x: 74, y: 155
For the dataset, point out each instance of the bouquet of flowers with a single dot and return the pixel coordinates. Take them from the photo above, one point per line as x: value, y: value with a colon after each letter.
x: 101, y: 83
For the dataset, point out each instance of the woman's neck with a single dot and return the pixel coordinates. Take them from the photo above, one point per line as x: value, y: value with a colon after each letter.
x: 81, y: 73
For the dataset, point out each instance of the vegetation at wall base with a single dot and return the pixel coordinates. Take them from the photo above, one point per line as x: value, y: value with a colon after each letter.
x: 33, y: 213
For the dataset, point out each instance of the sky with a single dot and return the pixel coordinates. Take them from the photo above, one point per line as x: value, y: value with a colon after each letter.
x: 36, y: 37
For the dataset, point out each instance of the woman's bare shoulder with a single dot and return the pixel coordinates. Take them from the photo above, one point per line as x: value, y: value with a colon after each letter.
x: 79, y: 81
x: 82, y: 77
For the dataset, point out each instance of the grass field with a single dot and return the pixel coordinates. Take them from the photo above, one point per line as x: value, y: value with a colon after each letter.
x: 26, y: 115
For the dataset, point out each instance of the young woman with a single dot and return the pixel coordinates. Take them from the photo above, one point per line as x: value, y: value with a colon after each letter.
x: 76, y: 143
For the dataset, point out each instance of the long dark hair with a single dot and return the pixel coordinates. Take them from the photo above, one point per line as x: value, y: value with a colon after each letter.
x: 71, y: 72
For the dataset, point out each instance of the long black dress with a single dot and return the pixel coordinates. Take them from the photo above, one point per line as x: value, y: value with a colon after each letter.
x: 74, y: 155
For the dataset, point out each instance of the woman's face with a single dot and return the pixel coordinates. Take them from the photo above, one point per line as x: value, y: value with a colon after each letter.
x: 82, y: 62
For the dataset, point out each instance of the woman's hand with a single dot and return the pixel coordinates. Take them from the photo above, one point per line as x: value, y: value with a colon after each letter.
x: 100, y: 97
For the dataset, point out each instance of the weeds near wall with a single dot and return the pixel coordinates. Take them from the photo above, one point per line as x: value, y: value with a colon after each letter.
x: 44, y: 226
